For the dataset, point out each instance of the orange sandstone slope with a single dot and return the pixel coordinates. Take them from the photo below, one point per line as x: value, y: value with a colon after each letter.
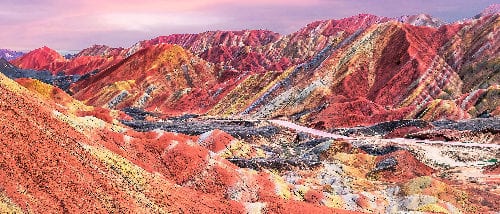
x: 49, y: 166
x: 56, y: 161
x: 162, y: 77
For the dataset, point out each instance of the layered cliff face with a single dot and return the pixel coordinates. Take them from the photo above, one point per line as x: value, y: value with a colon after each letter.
x: 228, y: 50
x: 261, y: 50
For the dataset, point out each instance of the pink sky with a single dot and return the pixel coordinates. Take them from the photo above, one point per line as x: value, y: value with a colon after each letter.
x: 74, y: 25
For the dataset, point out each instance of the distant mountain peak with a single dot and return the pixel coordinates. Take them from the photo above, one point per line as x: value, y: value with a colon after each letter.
x: 46, y: 51
x: 100, y: 50
x: 490, y: 10
x: 421, y: 20
x: 10, y: 54
x: 39, y: 59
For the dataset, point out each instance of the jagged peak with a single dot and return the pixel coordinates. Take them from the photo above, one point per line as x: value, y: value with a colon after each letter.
x: 350, y: 18
x: 100, y: 50
x: 211, y: 38
x: 236, y: 32
x: 491, y: 10
x: 46, y: 50
x: 262, y: 35
x: 421, y: 20
x: 350, y: 24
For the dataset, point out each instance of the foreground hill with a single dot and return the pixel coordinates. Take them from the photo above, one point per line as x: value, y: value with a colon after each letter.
x: 63, y: 156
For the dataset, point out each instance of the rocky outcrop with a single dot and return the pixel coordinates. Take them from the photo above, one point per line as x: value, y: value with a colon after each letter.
x: 101, y: 50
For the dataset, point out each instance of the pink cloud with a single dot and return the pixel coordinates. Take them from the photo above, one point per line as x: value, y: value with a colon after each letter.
x: 63, y: 24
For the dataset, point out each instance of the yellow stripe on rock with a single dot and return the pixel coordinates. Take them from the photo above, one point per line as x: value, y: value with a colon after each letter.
x: 7, y: 206
x: 434, y: 208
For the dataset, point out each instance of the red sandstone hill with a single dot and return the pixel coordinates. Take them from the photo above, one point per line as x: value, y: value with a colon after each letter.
x: 88, y: 60
x: 42, y: 58
x: 388, y: 71
x: 59, y: 156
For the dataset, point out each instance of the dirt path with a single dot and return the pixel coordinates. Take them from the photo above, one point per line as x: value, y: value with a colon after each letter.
x: 403, y: 141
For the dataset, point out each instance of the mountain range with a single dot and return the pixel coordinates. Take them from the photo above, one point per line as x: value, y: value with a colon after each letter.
x: 364, y: 114
x: 359, y: 70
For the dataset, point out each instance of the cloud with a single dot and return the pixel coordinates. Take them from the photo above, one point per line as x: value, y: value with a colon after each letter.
x: 148, y: 21
x: 62, y: 24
